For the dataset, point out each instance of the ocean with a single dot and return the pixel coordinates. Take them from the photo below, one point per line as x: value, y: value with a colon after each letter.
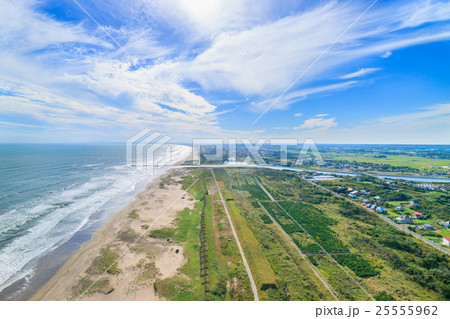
x: 49, y: 194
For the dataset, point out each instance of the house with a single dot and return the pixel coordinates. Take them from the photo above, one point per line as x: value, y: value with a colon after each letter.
x: 400, y: 208
x: 445, y: 224
x: 414, y: 203
x: 368, y: 205
x: 377, y: 197
x: 352, y: 195
x: 365, y: 200
x: 446, y: 241
x: 405, y: 219
x: 362, y: 191
x: 418, y: 215
x: 373, y: 207
x: 426, y: 227
x: 350, y: 189
x: 381, y: 210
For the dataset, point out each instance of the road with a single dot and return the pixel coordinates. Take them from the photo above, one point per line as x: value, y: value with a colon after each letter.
x: 385, y: 219
x: 429, y: 242
x: 244, y: 260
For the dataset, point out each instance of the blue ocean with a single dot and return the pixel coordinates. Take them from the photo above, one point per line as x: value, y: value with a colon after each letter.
x: 50, y: 192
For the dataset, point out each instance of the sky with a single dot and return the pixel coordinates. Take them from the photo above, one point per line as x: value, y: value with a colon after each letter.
x: 343, y: 72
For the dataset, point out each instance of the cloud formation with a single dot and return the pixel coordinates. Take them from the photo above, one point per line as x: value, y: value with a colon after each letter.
x: 62, y: 72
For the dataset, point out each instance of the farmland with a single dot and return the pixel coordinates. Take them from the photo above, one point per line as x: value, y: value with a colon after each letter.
x: 346, y: 252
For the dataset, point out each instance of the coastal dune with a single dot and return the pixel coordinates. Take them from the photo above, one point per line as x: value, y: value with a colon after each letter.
x: 141, y: 259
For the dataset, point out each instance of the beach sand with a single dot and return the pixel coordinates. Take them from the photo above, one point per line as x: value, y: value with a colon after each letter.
x: 142, y: 262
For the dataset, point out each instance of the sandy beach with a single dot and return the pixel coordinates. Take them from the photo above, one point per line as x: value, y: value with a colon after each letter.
x: 143, y: 259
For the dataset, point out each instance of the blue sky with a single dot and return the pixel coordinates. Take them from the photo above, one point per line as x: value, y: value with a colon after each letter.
x: 204, y: 68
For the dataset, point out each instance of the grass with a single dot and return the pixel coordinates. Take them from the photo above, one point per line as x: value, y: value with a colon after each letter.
x: 133, y: 214
x: 399, y: 271
x: 260, y: 267
x: 165, y: 233
x: 106, y: 262
x: 394, y: 160
x: 387, y: 262
x: 186, y: 233
x: 86, y: 286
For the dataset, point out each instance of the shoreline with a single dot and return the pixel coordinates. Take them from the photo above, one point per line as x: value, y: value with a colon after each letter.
x: 61, y: 285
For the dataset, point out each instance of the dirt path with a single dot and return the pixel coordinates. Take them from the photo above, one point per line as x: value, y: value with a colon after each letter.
x: 249, y: 272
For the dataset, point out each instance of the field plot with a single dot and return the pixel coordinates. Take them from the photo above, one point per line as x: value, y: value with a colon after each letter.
x: 383, y: 260
x: 300, y: 242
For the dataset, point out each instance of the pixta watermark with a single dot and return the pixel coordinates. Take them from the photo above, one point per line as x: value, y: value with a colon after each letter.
x: 212, y: 150
x: 149, y: 151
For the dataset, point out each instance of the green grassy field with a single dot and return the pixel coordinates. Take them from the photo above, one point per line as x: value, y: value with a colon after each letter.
x: 394, y: 160
x: 378, y: 259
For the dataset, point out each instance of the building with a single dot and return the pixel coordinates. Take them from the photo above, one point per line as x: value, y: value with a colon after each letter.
x: 445, y: 224
x: 414, y: 203
x: 446, y: 241
x: 381, y: 210
x: 405, y: 219
x: 426, y: 227
x: 400, y: 208
x: 373, y: 207
x: 418, y: 215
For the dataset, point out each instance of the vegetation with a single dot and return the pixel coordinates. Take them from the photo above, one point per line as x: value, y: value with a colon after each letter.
x: 360, y: 266
x: 386, y: 262
x: 106, y: 262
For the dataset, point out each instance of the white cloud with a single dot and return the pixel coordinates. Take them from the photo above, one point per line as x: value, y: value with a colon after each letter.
x: 298, y: 114
x: 301, y: 94
x: 205, y: 19
x: 420, y: 12
x: 264, y: 60
x: 386, y: 54
x: 64, y: 75
x: 322, y: 115
x: 361, y: 72
x: 424, y: 126
x: 22, y: 29
x: 318, y: 123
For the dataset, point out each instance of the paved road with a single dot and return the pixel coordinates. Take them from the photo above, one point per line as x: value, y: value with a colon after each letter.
x: 249, y: 272
x: 385, y: 219
x: 316, y: 272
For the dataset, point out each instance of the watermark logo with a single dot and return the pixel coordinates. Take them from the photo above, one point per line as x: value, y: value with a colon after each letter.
x: 211, y: 150
x: 148, y: 151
